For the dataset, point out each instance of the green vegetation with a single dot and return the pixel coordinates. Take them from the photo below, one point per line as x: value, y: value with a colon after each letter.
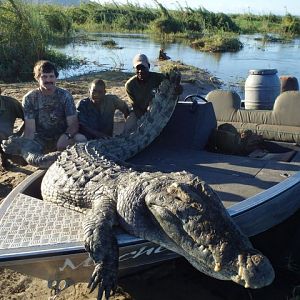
x: 111, y: 17
x: 219, y: 42
x: 25, y: 35
x: 57, y: 21
x: 110, y: 44
x: 185, y: 20
x: 285, y: 26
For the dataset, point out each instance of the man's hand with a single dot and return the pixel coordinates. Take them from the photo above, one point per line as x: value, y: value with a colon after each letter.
x: 63, y: 142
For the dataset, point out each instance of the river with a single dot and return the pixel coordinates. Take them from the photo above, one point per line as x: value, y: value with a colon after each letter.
x: 231, y: 68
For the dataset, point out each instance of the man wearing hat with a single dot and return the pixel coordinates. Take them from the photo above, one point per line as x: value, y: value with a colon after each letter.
x: 140, y: 88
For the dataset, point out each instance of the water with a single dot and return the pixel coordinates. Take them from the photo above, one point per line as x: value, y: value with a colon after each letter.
x: 231, y: 68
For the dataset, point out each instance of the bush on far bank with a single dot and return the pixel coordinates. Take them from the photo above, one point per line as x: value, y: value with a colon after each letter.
x: 218, y: 42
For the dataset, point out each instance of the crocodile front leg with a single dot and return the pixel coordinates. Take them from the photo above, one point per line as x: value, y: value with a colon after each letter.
x: 102, y: 246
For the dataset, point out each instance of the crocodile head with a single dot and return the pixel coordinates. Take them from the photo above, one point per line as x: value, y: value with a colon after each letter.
x: 188, y: 218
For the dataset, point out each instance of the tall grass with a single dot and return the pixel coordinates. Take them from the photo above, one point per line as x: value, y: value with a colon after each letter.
x: 282, y: 25
x: 184, y: 20
x: 25, y: 35
x: 111, y: 17
x: 58, y: 22
x: 129, y: 17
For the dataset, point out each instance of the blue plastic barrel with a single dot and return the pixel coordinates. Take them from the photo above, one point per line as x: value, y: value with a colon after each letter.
x: 261, y: 89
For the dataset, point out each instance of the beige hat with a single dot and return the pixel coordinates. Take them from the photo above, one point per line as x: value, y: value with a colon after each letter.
x: 141, y: 59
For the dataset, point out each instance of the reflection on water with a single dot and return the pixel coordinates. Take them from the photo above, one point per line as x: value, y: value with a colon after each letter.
x: 231, y: 68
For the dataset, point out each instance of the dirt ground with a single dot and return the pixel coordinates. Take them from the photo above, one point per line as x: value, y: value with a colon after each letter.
x: 176, y: 279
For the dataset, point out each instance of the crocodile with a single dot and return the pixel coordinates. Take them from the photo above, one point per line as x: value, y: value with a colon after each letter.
x: 175, y: 210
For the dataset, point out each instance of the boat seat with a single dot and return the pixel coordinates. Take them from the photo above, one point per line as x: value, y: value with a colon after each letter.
x: 280, y: 124
x: 189, y: 127
x: 288, y: 83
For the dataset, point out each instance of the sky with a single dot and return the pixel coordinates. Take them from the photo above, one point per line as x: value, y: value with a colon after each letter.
x: 277, y: 7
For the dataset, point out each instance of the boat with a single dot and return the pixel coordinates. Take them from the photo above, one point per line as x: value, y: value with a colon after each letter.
x: 43, y: 240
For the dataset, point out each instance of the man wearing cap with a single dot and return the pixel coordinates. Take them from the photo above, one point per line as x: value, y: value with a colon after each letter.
x: 140, y: 88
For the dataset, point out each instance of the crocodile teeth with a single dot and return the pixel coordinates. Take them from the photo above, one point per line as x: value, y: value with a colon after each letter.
x: 217, y: 267
x: 240, y: 271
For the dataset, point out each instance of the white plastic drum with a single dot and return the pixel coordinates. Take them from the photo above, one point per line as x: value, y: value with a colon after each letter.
x: 261, y: 89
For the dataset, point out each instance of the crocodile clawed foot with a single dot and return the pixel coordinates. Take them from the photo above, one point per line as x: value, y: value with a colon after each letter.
x: 105, y: 278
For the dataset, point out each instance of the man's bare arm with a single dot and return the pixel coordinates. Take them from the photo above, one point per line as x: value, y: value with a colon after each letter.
x: 73, y: 126
x: 30, y: 128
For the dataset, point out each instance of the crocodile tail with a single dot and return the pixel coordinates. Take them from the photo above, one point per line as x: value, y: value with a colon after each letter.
x: 149, y: 126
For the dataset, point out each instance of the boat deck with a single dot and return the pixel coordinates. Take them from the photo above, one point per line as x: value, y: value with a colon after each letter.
x: 234, y: 178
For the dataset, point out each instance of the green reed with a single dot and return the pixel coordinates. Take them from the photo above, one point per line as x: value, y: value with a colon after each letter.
x: 286, y: 25
x: 25, y: 36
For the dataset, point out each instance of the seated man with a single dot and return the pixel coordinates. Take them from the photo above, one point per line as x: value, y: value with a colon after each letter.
x: 96, y: 113
x: 141, y: 88
x: 10, y: 110
x: 50, y: 112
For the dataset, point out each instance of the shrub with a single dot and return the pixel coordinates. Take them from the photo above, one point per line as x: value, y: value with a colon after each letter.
x: 165, y: 25
x: 24, y: 40
x: 221, y: 42
x: 57, y: 20
x: 78, y: 15
x: 290, y: 25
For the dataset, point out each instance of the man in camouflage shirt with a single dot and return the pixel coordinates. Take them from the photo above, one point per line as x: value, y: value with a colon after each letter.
x: 96, y: 113
x: 49, y: 111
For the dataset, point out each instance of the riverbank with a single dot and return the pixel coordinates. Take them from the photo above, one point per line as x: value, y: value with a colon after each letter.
x: 17, y: 286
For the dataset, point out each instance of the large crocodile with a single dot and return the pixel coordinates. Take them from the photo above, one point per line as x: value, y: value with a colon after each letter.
x: 175, y: 210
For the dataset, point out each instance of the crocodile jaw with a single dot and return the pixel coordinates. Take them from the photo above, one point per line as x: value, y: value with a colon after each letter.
x: 198, y: 227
